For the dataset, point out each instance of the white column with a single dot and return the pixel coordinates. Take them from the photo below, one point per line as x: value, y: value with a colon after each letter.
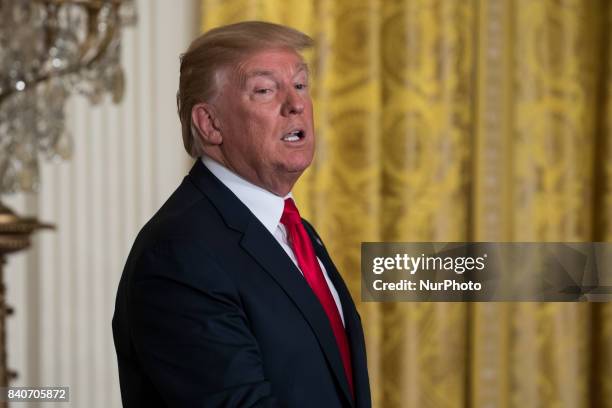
x: 127, y: 160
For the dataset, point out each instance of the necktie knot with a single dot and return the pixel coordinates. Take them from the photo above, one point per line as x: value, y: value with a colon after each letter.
x: 291, y: 215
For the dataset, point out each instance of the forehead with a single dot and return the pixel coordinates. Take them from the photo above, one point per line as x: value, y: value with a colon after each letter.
x: 271, y: 62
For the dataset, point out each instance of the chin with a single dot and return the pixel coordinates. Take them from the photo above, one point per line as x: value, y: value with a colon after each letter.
x: 298, y: 166
x: 297, y: 162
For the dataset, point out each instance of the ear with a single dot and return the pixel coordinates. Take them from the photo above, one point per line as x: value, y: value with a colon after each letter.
x: 204, y: 119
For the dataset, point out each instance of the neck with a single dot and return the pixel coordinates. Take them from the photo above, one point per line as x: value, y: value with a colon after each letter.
x: 280, y: 184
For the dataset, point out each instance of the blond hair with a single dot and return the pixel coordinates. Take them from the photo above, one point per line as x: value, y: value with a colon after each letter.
x: 220, y: 48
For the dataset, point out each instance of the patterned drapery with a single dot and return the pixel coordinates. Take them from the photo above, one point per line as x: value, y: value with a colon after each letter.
x: 460, y: 120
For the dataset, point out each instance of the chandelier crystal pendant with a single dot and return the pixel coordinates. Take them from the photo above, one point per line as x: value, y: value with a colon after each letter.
x: 50, y: 49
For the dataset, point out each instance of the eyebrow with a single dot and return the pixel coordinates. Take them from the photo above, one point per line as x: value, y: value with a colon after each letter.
x: 301, y: 66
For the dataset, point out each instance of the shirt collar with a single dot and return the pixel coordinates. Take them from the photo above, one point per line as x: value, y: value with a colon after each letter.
x: 266, y: 206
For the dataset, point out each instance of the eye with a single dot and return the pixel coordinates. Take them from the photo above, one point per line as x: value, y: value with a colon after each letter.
x: 301, y: 86
x: 263, y: 91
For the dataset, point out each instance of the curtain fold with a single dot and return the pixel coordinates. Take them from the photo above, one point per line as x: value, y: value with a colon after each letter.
x: 472, y: 120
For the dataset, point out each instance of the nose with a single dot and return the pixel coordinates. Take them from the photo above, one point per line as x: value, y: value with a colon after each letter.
x: 293, y: 105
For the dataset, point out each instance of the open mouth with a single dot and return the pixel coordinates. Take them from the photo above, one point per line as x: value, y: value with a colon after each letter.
x: 294, y: 136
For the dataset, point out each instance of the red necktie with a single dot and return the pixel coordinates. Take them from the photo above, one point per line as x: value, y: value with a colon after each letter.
x: 307, y: 261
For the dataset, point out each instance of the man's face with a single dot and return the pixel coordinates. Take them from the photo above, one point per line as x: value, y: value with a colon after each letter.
x: 265, y: 119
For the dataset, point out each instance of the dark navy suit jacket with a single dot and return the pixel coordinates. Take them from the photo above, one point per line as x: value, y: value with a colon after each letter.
x: 211, y: 312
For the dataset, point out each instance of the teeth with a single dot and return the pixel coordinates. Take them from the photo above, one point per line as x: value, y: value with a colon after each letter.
x: 293, y: 136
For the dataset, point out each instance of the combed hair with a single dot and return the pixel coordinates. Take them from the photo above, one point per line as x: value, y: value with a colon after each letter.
x: 217, y: 49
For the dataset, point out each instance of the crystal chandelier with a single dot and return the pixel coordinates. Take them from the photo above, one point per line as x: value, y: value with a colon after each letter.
x: 50, y: 49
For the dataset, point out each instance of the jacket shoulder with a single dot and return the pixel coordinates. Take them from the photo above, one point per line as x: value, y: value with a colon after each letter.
x: 186, y: 214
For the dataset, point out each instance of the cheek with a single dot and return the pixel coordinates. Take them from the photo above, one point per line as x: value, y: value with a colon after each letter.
x: 245, y: 126
x: 258, y: 137
x: 258, y: 129
x: 309, y: 114
x: 263, y: 127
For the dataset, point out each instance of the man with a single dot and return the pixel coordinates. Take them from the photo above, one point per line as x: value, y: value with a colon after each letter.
x: 228, y: 297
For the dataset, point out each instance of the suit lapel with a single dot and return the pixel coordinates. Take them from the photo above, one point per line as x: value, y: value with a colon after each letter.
x: 352, y: 321
x: 266, y: 251
x: 258, y: 242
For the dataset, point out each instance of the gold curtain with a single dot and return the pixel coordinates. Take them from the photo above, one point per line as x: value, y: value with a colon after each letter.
x: 461, y: 120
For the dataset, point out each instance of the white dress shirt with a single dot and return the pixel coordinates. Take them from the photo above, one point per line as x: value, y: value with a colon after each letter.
x: 268, y: 208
